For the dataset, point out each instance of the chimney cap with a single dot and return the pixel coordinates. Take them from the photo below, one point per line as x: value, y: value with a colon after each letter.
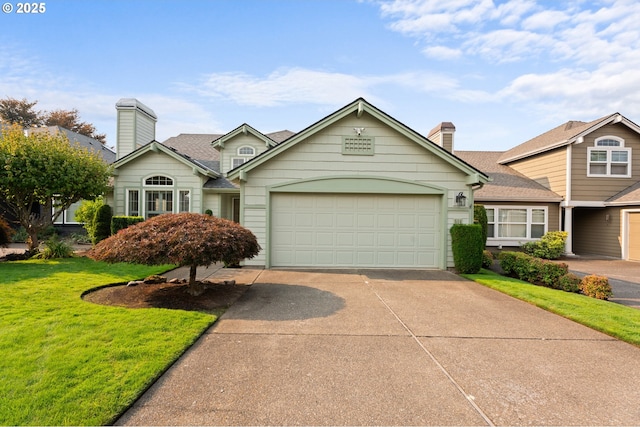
x: 134, y: 104
x: 442, y: 127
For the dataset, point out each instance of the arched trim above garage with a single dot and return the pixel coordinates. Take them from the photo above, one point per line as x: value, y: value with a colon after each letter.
x: 356, y: 185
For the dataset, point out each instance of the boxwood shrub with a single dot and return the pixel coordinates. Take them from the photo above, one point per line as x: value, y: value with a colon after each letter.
x: 467, y: 246
x: 121, y: 222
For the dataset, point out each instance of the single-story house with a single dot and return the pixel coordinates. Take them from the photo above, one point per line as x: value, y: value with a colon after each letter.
x: 355, y: 189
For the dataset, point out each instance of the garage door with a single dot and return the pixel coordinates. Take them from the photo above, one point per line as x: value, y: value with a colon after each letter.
x: 355, y: 230
x: 634, y: 236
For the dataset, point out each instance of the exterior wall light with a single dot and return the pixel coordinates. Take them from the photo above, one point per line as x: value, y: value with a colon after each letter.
x: 461, y: 200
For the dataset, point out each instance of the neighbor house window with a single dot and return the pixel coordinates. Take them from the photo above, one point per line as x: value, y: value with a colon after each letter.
x: 516, y: 222
x: 245, y: 154
x: 68, y: 216
x: 609, y: 158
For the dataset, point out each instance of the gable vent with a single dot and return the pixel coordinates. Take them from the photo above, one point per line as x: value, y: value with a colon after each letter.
x: 359, y: 146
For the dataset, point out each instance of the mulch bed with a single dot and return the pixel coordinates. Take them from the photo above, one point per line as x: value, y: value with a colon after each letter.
x: 168, y: 295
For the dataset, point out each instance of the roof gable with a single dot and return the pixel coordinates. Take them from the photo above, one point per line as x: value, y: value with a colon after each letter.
x: 243, y: 129
x: 155, y: 146
x: 359, y: 107
x: 565, y: 134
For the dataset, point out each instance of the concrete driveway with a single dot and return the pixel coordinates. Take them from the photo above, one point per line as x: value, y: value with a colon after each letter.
x: 392, y: 348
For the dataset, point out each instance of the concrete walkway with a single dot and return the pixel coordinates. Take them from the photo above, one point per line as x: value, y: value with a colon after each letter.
x: 392, y: 348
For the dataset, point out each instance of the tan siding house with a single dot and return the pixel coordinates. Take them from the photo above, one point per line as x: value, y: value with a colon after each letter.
x: 593, y: 169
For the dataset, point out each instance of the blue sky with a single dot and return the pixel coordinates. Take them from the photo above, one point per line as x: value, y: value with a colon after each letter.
x: 501, y: 71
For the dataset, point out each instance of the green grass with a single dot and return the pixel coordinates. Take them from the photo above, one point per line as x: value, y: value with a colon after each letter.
x: 610, y: 318
x: 64, y: 361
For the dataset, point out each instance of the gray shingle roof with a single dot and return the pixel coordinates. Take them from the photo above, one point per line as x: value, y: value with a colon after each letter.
x: 507, y: 184
x: 108, y: 155
x: 556, y: 137
x: 196, y: 146
x: 628, y: 196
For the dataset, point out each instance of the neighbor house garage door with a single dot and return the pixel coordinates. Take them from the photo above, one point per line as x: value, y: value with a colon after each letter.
x: 355, y: 230
x: 634, y: 236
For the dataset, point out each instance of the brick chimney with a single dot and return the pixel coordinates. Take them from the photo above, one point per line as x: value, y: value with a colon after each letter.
x: 136, y: 126
x: 442, y: 135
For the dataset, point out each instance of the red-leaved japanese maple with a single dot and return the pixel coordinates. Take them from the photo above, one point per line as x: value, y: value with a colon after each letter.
x: 184, y: 239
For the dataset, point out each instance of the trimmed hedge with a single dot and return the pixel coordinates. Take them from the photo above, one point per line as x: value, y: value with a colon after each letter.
x: 533, y: 270
x: 552, y: 275
x: 480, y: 217
x: 102, y: 223
x: 467, y: 246
x: 121, y: 222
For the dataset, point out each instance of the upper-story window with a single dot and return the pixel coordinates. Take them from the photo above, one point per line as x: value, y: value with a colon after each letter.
x: 245, y: 153
x: 158, y: 180
x: 609, y: 157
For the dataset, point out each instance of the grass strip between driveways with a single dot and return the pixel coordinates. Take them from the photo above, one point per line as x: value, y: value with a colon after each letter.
x: 64, y: 361
x: 608, y: 317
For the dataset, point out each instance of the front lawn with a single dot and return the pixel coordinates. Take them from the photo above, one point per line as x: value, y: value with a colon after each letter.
x: 64, y: 361
x: 613, y: 319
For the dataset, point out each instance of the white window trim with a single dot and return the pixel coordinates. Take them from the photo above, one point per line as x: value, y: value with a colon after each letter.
x: 609, y: 150
x: 190, y: 193
x: 233, y: 159
x: 517, y: 241
x: 244, y: 154
x: 128, y: 199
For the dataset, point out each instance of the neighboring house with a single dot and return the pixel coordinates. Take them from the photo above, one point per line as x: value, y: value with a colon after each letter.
x: 66, y: 222
x: 579, y: 177
x: 355, y: 189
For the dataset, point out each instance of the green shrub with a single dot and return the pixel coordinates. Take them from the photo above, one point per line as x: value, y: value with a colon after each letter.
x: 6, y: 233
x: 480, y: 217
x: 208, y: 212
x: 103, y: 223
x: 569, y: 283
x: 550, y: 246
x: 487, y: 259
x: 54, y: 248
x: 121, y: 222
x: 533, y: 270
x: 596, y: 287
x: 20, y: 235
x: 551, y: 272
x: 86, y: 214
x: 467, y: 246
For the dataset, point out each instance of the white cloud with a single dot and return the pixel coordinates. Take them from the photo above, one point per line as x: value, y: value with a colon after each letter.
x: 284, y: 86
x: 544, y: 20
x: 442, y: 52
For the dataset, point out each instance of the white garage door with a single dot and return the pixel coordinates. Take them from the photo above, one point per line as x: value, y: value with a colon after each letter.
x: 355, y: 230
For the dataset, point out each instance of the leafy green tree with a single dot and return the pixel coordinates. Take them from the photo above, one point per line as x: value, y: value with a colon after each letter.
x: 184, y: 239
x: 20, y: 112
x: 70, y: 119
x: 46, y: 170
